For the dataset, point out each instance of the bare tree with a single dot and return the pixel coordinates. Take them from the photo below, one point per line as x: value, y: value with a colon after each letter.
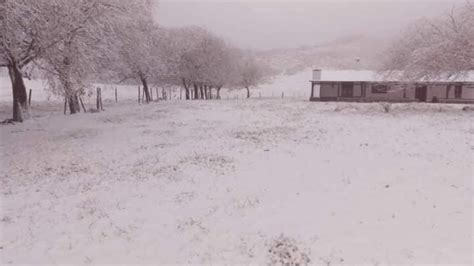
x: 435, y: 48
x: 250, y: 74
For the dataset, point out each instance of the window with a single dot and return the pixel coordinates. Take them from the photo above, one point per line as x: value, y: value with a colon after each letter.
x: 380, y: 88
x: 458, y: 91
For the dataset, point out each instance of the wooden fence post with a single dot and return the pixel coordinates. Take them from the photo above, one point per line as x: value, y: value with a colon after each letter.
x: 138, y: 94
x: 29, y: 98
x: 116, y: 95
x: 82, y: 103
x: 97, y: 101
x: 282, y: 95
x: 101, y: 106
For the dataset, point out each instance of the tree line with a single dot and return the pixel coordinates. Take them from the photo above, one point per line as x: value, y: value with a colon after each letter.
x: 75, y: 43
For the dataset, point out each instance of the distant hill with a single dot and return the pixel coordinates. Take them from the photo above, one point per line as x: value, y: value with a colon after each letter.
x: 350, y: 52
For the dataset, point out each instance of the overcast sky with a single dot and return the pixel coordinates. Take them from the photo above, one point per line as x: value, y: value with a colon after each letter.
x: 282, y: 24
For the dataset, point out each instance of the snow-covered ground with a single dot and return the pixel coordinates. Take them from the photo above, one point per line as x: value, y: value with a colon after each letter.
x: 221, y: 181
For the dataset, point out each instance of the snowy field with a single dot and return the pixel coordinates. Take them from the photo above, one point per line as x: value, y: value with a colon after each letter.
x: 231, y: 181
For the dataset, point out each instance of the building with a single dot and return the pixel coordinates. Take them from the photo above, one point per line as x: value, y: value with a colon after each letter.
x: 368, y: 86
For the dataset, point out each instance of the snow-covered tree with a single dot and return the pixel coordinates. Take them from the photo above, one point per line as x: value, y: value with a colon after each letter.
x: 221, y: 69
x: 250, y: 73
x: 138, y: 47
x: 61, y: 36
x: 176, y: 44
x: 27, y: 31
x: 204, y: 61
x: 69, y: 64
x: 435, y: 48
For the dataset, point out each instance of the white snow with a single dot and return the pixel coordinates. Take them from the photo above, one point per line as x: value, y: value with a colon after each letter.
x: 217, y: 181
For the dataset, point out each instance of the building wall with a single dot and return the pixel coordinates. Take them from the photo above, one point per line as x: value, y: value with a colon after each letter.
x: 357, y: 89
x: 316, y: 90
x: 467, y: 91
x: 438, y: 91
x: 328, y: 90
x: 395, y: 92
x: 410, y: 92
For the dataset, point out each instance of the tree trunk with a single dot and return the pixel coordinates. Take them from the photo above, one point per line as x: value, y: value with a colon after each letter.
x: 17, y: 110
x: 186, y: 88
x: 206, y: 92
x: 219, y: 93
x: 202, y: 91
x: 248, y: 92
x: 73, y: 101
x: 19, y: 92
x: 196, y: 93
x: 146, y: 90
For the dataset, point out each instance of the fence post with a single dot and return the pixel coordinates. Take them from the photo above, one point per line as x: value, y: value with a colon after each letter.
x: 82, y: 103
x: 100, y: 93
x: 97, y: 101
x: 29, y: 98
x: 282, y: 95
x: 116, y: 95
x: 139, y: 94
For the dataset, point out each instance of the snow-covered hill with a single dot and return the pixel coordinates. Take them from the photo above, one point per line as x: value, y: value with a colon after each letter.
x: 351, y: 52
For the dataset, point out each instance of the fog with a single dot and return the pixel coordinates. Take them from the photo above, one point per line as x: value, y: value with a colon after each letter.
x: 286, y: 24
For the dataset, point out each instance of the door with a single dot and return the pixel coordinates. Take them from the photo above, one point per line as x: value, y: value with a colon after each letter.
x: 420, y: 93
x: 347, y: 89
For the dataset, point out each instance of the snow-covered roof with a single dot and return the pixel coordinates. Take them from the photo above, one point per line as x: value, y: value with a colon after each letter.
x: 372, y: 76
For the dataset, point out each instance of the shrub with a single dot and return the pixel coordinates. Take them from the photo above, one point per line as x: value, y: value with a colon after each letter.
x: 285, y: 251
